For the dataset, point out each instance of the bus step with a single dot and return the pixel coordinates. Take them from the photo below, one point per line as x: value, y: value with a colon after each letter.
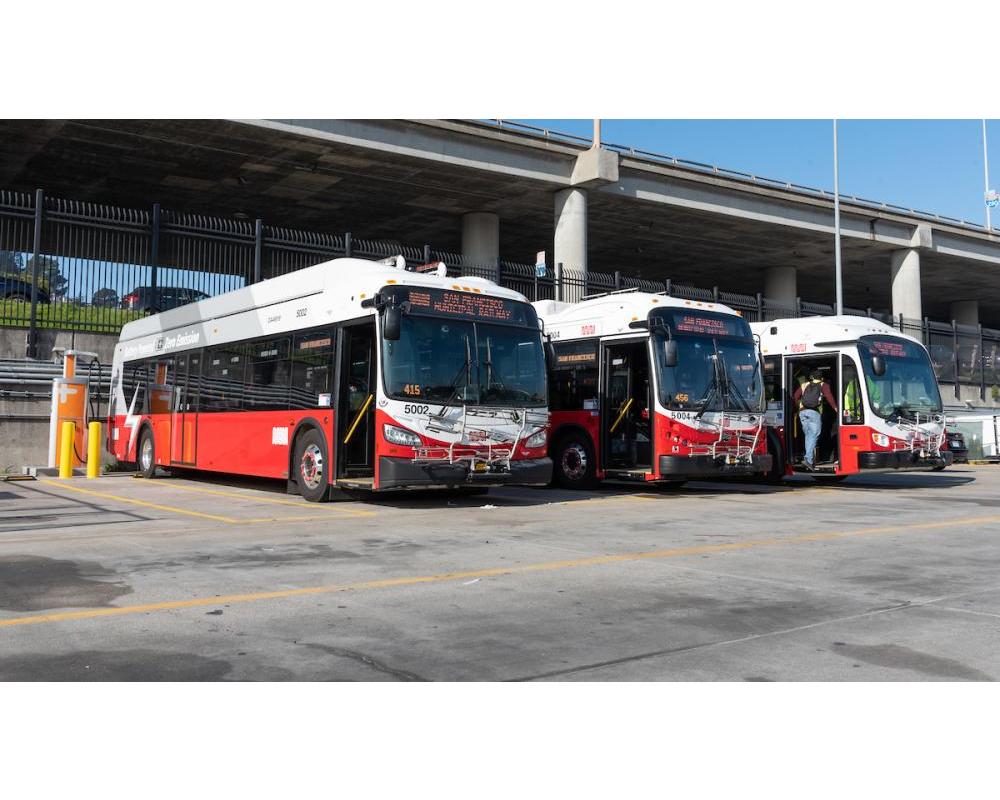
x: 627, y: 474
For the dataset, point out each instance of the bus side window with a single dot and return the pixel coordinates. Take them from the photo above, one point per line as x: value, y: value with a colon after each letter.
x: 268, y: 375
x: 222, y: 380
x: 573, y: 381
x: 852, y: 406
x: 772, y: 378
x: 311, y: 366
x: 134, y: 386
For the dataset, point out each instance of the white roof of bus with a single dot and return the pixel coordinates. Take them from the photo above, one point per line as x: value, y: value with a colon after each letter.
x: 354, y: 277
x: 820, y: 330
x: 612, y: 313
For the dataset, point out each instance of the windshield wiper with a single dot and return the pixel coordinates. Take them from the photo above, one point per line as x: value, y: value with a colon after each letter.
x: 713, y: 389
x: 465, y: 369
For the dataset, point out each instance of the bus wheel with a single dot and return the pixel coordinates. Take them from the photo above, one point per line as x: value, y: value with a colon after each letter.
x: 574, y: 462
x: 147, y: 454
x: 777, y: 472
x: 312, y: 468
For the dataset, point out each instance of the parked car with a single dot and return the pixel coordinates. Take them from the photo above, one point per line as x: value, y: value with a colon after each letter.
x: 13, y: 288
x: 162, y: 298
x: 956, y: 443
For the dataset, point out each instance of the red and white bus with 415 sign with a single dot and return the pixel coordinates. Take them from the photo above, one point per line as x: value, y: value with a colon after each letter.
x: 347, y: 375
x: 646, y: 387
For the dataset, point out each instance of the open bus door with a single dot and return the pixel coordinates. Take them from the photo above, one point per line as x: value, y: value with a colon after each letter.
x: 626, y: 434
x: 356, y: 408
x: 797, y: 370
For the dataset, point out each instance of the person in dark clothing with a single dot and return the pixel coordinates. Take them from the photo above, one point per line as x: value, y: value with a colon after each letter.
x: 809, y: 398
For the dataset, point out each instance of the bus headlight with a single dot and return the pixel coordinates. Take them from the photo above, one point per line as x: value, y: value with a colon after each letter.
x: 880, y: 439
x: 395, y: 435
x: 536, y: 439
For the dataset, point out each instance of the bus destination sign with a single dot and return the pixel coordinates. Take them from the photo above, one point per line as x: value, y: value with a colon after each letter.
x: 466, y: 305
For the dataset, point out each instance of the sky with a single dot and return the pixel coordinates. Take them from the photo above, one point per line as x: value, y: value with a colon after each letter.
x: 934, y: 166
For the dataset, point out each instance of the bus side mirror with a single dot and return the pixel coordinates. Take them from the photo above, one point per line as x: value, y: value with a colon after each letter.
x: 392, y: 321
x: 878, y: 365
x: 670, y: 353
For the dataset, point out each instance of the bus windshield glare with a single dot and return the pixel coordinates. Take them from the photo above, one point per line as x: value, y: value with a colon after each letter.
x: 452, y: 351
x: 717, y: 366
x: 908, y: 386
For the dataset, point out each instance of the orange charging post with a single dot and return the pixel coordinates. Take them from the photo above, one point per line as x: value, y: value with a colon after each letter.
x: 70, y: 394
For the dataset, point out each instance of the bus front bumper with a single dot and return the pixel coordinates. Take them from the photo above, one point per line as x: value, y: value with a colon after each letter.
x: 402, y: 473
x: 709, y: 466
x: 893, y: 461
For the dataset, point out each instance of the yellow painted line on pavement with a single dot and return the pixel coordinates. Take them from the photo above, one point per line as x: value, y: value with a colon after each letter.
x: 304, y: 504
x: 189, y: 512
x: 448, y: 577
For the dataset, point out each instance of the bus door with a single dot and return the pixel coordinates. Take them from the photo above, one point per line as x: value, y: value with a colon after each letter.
x: 797, y: 371
x: 626, y: 432
x: 183, y: 419
x: 356, y: 405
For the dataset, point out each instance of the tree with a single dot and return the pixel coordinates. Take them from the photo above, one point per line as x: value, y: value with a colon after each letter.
x: 11, y: 263
x: 107, y: 298
x: 49, y: 275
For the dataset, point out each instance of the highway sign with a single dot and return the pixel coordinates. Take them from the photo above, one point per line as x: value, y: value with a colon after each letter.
x: 540, y: 264
x: 992, y: 199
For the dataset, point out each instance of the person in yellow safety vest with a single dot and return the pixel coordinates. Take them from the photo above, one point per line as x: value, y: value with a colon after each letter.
x: 853, y: 408
x: 809, y: 399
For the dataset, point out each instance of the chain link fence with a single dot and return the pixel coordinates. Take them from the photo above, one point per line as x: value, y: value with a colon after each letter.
x: 79, y: 266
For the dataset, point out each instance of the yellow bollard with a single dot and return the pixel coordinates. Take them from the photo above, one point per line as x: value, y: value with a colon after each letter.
x: 66, y: 450
x: 94, y: 450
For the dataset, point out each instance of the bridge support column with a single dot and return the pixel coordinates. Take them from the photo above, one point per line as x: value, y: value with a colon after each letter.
x: 905, y: 266
x: 570, y: 241
x: 481, y: 241
x: 965, y: 312
x: 781, y: 286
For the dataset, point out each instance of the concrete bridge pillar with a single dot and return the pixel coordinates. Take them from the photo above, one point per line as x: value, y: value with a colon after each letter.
x: 781, y: 286
x: 965, y: 312
x: 905, y: 265
x: 570, y: 240
x: 481, y: 239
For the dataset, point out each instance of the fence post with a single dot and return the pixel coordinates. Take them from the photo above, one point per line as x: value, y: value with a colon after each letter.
x: 927, y: 332
x: 427, y: 254
x: 982, y: 366
x: 760, y: 307
x: 258, y: 251
x: 668, y: 287
x: 954, y: 354
x: 869, y: 312
x: 899, y: 323
x: 36, y: 250
x: 798, y: 306
x: 154, y: 251
x: 347, y: 244
x: 535, y: 289
x: 558, y: 287
x: 715, y: 294
x: 618, y: 280
x: 499, y: 272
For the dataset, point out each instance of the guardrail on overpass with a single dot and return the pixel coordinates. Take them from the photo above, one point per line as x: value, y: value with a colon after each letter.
x: 77, y: 266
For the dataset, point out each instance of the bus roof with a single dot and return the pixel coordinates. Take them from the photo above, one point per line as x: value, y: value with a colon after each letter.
x: 348, y: 280
x: 612, y: 313
x: 819, y: 333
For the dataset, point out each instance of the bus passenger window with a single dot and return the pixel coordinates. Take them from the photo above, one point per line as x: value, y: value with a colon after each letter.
x: 573, y: 379
x: 312, y: 357
x: 222, y: 378
x: 134, y: 387
x: 268, y: 376
x: 852, y: 407
x: 772, y: 379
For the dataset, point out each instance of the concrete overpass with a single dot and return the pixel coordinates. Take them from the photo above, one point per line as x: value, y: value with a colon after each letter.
x: 492, y: 191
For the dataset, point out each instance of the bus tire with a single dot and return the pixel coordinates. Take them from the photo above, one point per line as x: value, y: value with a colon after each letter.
x: 573, y: 461
x: 776, y: 474
x: 312, y: 466
x: 146, y: 454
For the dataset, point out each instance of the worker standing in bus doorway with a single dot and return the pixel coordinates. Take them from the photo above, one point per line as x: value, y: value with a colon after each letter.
x: 809, y: 399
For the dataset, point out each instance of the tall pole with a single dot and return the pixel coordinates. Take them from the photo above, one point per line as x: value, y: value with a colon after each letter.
x: 986, y: 178
x: 596, y: 141
x: 836, y: 222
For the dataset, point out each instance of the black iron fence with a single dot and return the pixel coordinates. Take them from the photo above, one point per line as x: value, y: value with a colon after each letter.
x: 79, y: 266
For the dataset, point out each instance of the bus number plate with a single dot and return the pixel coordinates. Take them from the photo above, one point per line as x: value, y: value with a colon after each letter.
x: 408, y: 409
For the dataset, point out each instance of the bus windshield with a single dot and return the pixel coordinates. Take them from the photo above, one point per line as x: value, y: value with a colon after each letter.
x: 460, y: 361
x: 908, y: 386
x: 717, y: 365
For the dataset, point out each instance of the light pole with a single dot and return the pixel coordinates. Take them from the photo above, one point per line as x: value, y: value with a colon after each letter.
x: 836, y: 222
x: 990, y: 197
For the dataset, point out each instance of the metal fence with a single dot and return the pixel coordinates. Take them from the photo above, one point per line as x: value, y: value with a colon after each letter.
x: 77, y: 266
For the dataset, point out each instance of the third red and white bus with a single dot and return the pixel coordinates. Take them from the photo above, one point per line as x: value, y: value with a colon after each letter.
x: 889, y: 415
x: 350, y: 374
x: 646, y: 387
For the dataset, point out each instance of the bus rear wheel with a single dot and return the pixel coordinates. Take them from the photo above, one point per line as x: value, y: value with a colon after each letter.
x: 146, y: 456
x: 573, y: 462
x: 312, y: 467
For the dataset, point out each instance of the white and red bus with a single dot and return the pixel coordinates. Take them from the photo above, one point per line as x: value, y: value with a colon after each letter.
x: 645, y: 387
x: 889, y: 414
x: 350, y: 374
